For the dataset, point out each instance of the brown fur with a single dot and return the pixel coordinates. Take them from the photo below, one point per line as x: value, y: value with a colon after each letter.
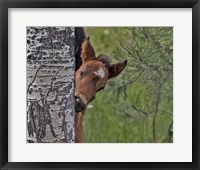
x: 79, y: 127
x: 88, y: 83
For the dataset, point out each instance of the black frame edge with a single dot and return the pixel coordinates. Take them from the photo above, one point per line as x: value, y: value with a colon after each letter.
x: 4, y: 85
x: 198, y: 83
x: 1, y: 126
x: 100, y: 3
x: 195, y: 81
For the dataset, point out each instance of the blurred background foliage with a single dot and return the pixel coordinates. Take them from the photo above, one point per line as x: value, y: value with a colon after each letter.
x: 136, y: 106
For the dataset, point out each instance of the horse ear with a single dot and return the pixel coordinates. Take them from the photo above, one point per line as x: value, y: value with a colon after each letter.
x: 87, y: 52
x: 116, y: 69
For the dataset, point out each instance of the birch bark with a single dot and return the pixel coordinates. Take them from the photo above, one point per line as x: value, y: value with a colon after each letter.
x: 50, y: 84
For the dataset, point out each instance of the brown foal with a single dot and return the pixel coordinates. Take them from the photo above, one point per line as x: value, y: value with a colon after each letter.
x: 90, y: 78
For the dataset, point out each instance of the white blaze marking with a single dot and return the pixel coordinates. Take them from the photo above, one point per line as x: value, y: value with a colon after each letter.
x: 100, y: 73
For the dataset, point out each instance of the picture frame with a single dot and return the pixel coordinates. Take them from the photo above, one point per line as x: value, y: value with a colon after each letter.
x: 4, y: 98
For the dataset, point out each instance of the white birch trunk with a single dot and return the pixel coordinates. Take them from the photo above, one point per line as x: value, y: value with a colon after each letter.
x: 50, y: 84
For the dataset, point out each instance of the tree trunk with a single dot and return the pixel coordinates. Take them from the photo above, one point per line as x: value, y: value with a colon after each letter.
x: 170, y: 132
x: 50, y: 84
x: 158, y: 94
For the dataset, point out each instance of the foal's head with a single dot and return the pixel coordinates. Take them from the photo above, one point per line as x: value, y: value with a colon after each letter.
x: 93, y: 75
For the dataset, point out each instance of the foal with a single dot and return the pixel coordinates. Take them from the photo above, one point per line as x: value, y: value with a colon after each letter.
x: 90, y: 78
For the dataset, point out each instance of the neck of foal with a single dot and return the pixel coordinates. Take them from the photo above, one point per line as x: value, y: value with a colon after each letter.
x: 79, y: 127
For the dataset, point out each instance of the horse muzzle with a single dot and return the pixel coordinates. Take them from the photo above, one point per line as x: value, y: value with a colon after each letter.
x: 80, y: 103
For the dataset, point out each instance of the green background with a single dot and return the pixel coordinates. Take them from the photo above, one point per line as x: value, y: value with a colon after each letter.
x: 136, y: 106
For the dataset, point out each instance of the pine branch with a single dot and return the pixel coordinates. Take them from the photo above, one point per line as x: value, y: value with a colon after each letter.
x: 139, y: 110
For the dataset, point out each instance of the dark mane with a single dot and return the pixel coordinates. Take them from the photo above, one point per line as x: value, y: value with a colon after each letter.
x: 80, y: 36
x: 105, y: 59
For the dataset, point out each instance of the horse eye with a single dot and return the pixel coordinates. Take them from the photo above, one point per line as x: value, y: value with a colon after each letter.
x: 81, y: 73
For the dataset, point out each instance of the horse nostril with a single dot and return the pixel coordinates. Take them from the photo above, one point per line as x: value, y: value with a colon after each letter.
x: 79, y: 105
x: 77, y: 99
